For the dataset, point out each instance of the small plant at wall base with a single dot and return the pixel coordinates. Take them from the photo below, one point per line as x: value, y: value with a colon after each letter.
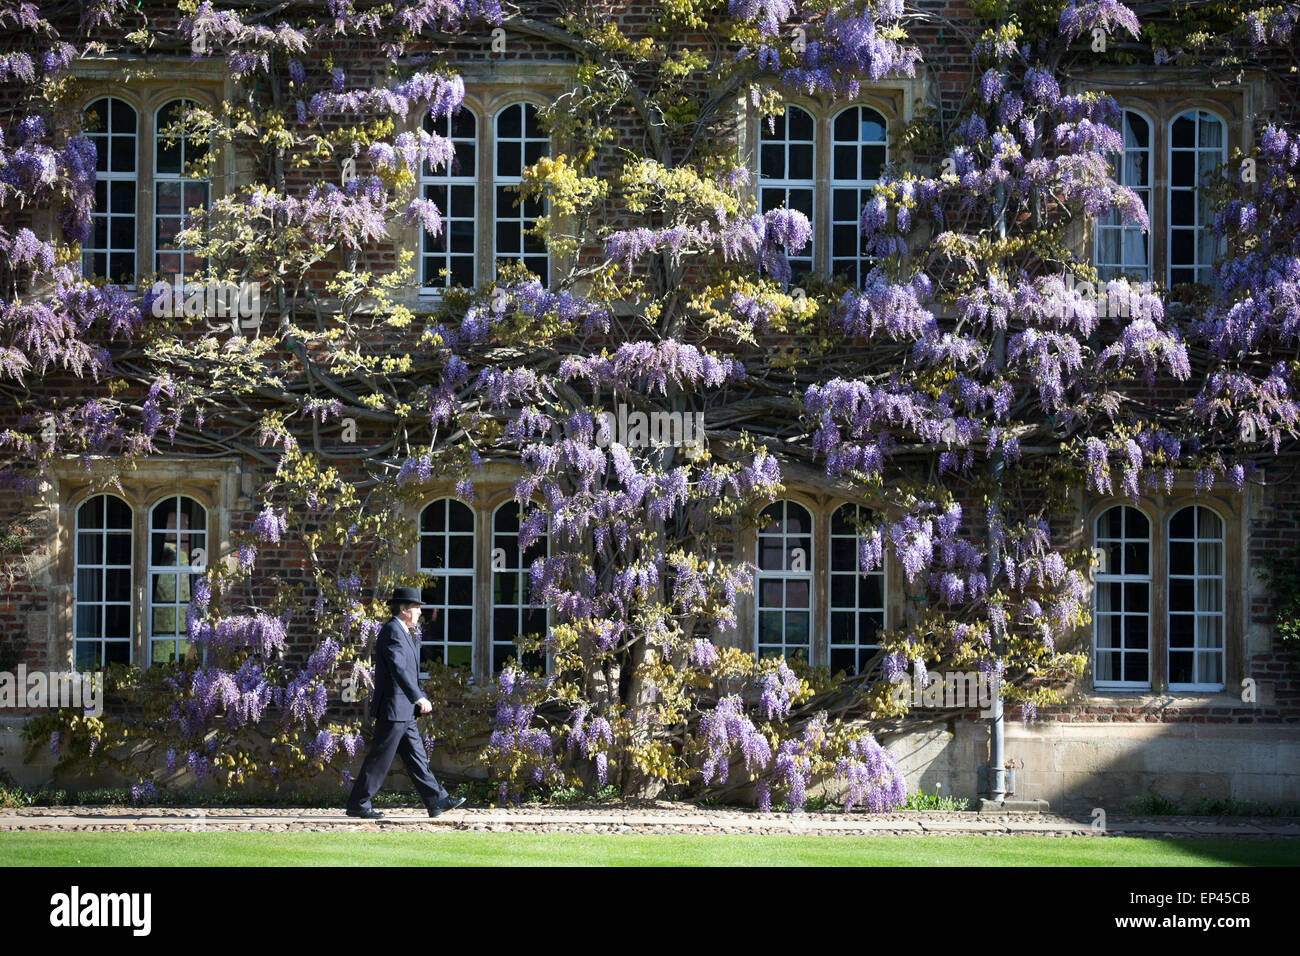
x: 1282, y: 575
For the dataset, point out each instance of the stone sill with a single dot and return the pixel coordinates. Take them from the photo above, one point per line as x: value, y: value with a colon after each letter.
x: 1172, y: 701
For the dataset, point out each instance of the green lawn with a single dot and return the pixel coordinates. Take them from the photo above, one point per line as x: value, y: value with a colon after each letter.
x: 540, y: 849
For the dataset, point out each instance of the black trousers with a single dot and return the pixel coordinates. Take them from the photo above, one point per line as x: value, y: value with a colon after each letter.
x: 403, y: 738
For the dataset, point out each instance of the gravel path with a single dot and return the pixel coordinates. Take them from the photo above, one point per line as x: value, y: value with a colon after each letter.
x: 658, y: 817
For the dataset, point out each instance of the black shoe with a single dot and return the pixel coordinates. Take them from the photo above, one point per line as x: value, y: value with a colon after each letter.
x: 445, y: 804
x: 365, y: 814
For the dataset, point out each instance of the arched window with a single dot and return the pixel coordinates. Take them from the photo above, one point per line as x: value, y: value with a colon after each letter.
x: 784, y: 582
x: 513, y: 614
x: 859, y: 151
x: 102, y: 600
x: 449, y: 258
x: 176, y: 189
x: 1196, y: 597
x: 520, y: 142
x: 857, y: 599
x: 1120, y: 248
x: 178, y: 551
x: 1122, y: 600
x: 447, y: 550
x: 1197, y: 145
x: 110, y: 252
x: 786, y: 164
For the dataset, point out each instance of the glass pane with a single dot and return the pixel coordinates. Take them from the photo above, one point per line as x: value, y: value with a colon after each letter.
x: 462, y: 551
x: 1137, y: 559
x: 772, y: 161
x: 846, y: 162
x: 1209, y: 594
x: 90, y: 548
x: 118, y: 513
x: 433, y: 552
x: 1182, y: 628
x: 505, y: 623
x: 1135, y: 597
x: 842, y: 591
x: 510, y: 122
x: 801, y: 124
x: 509, y: 159
x: 460, y: 589
x: 119, y: 549
x: 1180, y: 667
x: 873, y: 161
x: 434, y: 517
x: 460, y: 625
x: 118, y: 584
x: 870, y: 591
x: 1211, y: 668
x: 117, y: 620
x: 1209, y: 631
x: 1211, y: 131
x: 90, y: 584
x: 88, y: 656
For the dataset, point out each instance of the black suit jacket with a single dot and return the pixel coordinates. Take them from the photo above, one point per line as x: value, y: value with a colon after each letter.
x: 397, y: 673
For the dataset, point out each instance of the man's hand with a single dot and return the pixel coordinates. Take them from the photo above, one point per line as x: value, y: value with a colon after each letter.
x: 424, y: 705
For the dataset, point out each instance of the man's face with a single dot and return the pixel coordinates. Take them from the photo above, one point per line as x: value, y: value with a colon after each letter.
x: 409, y: 614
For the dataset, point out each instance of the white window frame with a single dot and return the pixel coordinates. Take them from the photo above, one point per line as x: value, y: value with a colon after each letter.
x: 449, y: 179
x: 151, y: 569
x: 861, y: 261
x: 515, y: 212
x: 1199, y: 228
x: 1196, y: 577
x: 805, y: 261
x: 785, y: 575
x: 1112, y: 222
x: 856, y: 610
x: 160, y: 178
x: 103, y: 567
x: 448, y: 572
x: 522, y: 605
x: 108, y: 176
x: 1104, y: 576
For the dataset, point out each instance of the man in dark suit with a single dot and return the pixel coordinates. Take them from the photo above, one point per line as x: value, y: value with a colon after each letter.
x: 393, y: 707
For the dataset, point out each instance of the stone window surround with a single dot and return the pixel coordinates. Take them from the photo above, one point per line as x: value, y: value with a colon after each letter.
x: 1232, y: 508
x: 147, y: 87
x: 216, y: 484
x: 821, y: 506
x: 488, y: 90
x: 894, y: 100
x: 493, y: 487
x: 1237, y: 105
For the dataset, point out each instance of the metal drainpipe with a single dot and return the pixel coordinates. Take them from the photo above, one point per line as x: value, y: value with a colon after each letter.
x: 997, y: 771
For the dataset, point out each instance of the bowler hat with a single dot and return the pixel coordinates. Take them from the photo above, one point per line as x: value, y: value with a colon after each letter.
x: 406, y: 596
